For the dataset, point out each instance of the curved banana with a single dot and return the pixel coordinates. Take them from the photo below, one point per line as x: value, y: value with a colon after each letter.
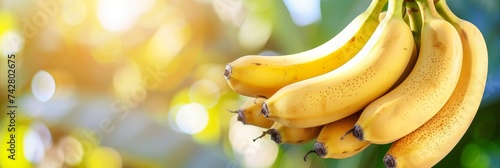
x: 425, y: 146
x: 424, y: 92
x: 348, y: 89
x: 263, y: 75
x: 329, y: 145
x: 248, y: 113
x: 286, y: 135
x: 415, y: 22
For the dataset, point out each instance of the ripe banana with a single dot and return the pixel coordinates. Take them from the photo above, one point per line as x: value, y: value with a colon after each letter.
x: 263, y: 75
x: 430, y: 143
x: 248, y: 113
x: 424, y: 92
x: 286, y: 135
x: 329, y: 145
x: 414, y: 19
x: 348, y: 89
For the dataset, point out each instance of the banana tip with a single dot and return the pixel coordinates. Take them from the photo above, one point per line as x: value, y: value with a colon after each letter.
x: 241, y: 116
x: 389, y: 161
x: 275, y: 135
x: 319, y: 149
x: 356, y: 131
x: 264, y: 111
x: 227, y: 71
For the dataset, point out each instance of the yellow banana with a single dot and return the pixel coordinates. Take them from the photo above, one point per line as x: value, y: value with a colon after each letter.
x: 248, y: 113
x: 286, y: 135
x: 414, y: 54
x: 415, y: 22
x: 329, y: 145
x: 430, y: 143
x: 424, y: 92
x: 348, y: 89
x: 263, y: 75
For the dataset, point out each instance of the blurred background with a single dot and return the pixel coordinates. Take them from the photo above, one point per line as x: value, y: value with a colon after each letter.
x: 138, y: 83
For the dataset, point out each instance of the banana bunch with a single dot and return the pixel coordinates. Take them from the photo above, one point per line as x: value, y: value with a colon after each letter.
x: 412, y: 76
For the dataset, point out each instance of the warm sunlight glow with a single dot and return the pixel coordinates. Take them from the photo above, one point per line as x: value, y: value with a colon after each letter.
x: 192, y: 118
x: 43, y: 86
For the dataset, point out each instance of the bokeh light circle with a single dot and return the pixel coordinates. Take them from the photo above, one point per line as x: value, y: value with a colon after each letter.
x: 51, y: 159
x: 172, y: 117
x: 34, y: 149
x: 474, y: 156
x: 71, y: 150
x: 11, y: 42
x: 74, y: 12
x: 261, y: 153
x: 255, y: 32
x: 304, y: 13
x: 204, y: 92
x: 43, y: 131
x: 116, y: 15
x: 43, y: 86
x: 192, y: 118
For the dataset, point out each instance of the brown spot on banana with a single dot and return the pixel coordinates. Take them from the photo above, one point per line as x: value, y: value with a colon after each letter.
x: 353, y: 39
x: 412, y: 10
x: 439, y: 46
x: 436, y: 43
x: 464, y: 34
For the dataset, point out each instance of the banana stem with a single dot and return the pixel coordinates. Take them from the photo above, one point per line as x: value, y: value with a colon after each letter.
x: 445, y: 12
x: 403, y: 10
x: 319, y: 149
x: 377, y: 6
x: 394, y: 9
x: 414, y: 15
x: 415, y: 18
x: 427, y: 9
